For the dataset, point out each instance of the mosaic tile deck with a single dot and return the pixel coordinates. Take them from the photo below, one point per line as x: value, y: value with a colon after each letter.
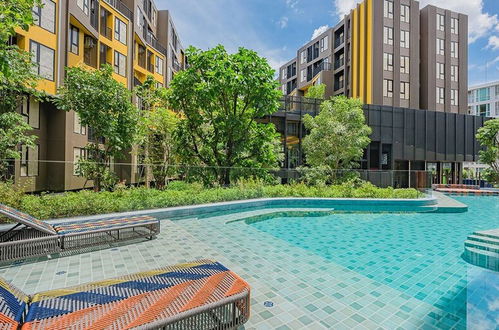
x: 295, y: 284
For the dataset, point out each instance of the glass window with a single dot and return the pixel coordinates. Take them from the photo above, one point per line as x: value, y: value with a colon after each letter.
x: 483, y: 94
x: 284, y: 74
x: 388, y: 62
x: 78, y: 128
x: 84, y: 5
x: 44, y: 16
x: 120, y: 31
x: 404, y: 64
x: 387, y: 88
x: 454, y: 49
x: 454, y: 98
x: 74, y: 40
x: 324, y: 43
x: 388, y: 35
x: 440, y: 71
x: 405, y: 13
x: 159, y: 65
x: 440, y: 22
x: 29, y: 161
x: 388, y: 9
x: 454, y: 25
x: 404, y: 90
x: 78, y: 154
x: 483, y: 110
x: 303, y: 76
x: 44, y: 57
x: 30, y: 110
x: 454, y: 73
x: 404, y: 39
x: 440, y: 46
x: 440, y: 95
x: 119, y: 63
x: 303, y: 56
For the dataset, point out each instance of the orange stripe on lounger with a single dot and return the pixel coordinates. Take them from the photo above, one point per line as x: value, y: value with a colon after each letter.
x: 237, y: 287
x: 7, y: 323
x: 152, y: 312
x: 205, y: 291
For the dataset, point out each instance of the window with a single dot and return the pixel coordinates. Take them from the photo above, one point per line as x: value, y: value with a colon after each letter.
x: 78, y: 154
x: 388, y: 62
x: 30, y: 110
x: 404, y: 90
x: 29, y: 161
x: 284, y: 89
x: 440, y: 46
x: 303, y: 56
x: 454, y: 49
x: 405, y: 13
x: 388, y: 9
x: 74, y: 40
x: 440, y: 95
x: 404, y: 39
x: 440, y: 22
x: 454, y: 98
x: 404, y: 64
x: 497, y: 108
x: 120, y: 30
x: 387, y: 88
x: 159, y: 63
x: 284, y: 74
x: 454, y: 25
x: 483, y: 110
x: 84, y: 5
x: 324, y: 43
x: 44, y: 57
x: 119, y: 63
x: 78, y: 128
x: 483, y: 95
x: 454, y: 73
x: 44, y: 16
x: 497, y: 91
x: 388, y: 35
x: 470, y: 97
x: 303, y: 76
x: 440, y: 71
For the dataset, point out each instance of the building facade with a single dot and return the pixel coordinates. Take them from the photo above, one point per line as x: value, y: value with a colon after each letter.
x: 483, y: 100
x: 132, y: 36
x: 391, y: 53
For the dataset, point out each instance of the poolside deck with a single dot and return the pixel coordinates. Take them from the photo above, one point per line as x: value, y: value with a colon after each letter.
x: 287, y: 292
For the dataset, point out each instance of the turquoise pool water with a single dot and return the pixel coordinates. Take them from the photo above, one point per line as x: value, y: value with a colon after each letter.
x: 418, y: 254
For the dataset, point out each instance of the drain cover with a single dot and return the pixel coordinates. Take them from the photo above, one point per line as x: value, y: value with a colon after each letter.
x: 268, y: 304
x: 60, y: 273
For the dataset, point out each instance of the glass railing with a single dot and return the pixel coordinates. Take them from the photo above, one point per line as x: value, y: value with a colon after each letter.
x: 121, y: 7
x: 154, y: 43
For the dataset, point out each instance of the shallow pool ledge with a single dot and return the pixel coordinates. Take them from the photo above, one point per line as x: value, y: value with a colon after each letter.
x: 426, y: 204
x: 447, y: 204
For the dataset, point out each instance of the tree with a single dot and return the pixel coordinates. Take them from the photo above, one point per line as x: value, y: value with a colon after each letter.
x: 221, y: 98
x: 337, y: 138
x: 316, y: 92
x: 488, y: 136
x: 104, y: 105
x: 157, y: 126
x: 17, y: 81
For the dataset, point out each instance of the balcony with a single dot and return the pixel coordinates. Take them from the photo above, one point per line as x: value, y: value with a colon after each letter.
x: 339, y: 84
x: 175, y: 65
x: 312, y: 72
x: 121, y: 7
x: 154, y: 43
x: 339, y: 63
x: 94, y: 14
x: 339, y: 41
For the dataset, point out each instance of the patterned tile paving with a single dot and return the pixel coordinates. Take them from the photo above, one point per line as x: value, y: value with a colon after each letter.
x: 293, y: 286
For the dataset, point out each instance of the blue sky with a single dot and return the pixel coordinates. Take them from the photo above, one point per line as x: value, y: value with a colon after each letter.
x: 276, y: 28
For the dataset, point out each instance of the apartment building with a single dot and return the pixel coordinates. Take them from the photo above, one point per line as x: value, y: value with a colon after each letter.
x: 483, y: 100
x: 391, y: 53
x: 132, y: 36
x: 401, y: 61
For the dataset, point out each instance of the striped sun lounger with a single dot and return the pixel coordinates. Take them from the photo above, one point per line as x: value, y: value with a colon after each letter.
x: 198, y: 295
x: 32, y: 237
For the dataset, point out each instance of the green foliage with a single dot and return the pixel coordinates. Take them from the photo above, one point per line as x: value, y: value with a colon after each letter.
x: 488, y: 136
x: 105, y: 106
x: 220, y: 97
x: 316, y: 92
x: 180, y: 193
x: 337, y: 138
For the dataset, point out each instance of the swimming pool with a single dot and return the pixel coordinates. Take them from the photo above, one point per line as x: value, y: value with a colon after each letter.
x: 413, y: 257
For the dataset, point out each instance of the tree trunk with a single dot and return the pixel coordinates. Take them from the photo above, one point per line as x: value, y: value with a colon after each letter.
x: 148, y: 167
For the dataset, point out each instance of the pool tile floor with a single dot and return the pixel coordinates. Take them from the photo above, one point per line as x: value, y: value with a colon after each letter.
x: 292, y: 288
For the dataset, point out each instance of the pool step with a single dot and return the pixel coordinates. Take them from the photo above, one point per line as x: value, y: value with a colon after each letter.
x: 482, y: 249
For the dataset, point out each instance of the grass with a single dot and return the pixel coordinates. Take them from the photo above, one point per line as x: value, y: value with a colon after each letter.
x: 48, y: 206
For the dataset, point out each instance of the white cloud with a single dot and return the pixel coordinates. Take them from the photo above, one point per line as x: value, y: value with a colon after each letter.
x: 480, y: 22
x: 283, y: 22
x: 493, y: 43
x: 293, y: 4
x: 320, y: 30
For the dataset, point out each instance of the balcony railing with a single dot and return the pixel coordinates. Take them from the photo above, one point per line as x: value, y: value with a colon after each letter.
x: 176, y: 66
x: 318, y: 69
x: 122, y: 8
x: 154, y: 43
x: 106, y: 32
x: 94, y: 14
x: 339, y: 85
x: 339, y: 63
x: 339, y: 41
